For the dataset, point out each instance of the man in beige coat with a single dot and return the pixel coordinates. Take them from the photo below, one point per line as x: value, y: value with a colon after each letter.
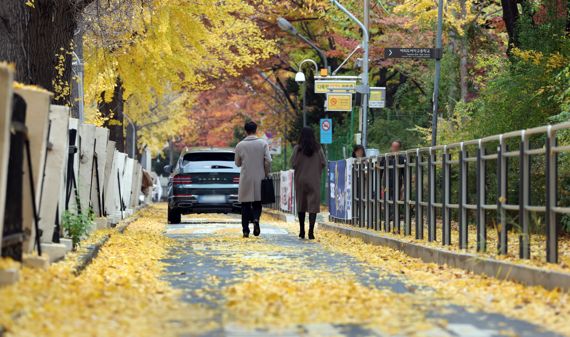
x: 252, y: 155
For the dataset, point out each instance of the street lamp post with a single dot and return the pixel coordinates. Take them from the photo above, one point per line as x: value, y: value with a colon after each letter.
x: 364, y: 89
x: 300, y: 78
x: 286, y: 26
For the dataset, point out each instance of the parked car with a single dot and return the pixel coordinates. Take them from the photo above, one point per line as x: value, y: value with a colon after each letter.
x: 204, y: 180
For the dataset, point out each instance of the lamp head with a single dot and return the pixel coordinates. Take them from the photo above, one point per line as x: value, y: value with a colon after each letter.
x: 300, y: 77
x: 286, y: 26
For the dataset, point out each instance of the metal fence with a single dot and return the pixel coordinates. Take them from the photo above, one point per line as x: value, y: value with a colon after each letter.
x: 276, y: 177
x: 509, y: 183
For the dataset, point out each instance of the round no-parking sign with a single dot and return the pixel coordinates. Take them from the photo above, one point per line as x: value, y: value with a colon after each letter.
x: 326, y: 131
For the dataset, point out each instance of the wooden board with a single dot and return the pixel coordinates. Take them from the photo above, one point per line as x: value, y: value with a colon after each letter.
x: 128, y: 181
x: 101, y: 139
x: 110, y: 166
x: 6, y: 78
x: 73, y: 125
x: 136, y: 185
x: 119, y: 195
x: 37, y: 122
x: 54, y: 170
x: 87, y: 151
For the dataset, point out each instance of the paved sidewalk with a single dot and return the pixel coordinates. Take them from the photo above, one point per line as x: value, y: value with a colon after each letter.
x: 214, y: 262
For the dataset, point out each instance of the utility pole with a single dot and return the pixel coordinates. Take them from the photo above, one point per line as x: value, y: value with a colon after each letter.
x: 438, y: 46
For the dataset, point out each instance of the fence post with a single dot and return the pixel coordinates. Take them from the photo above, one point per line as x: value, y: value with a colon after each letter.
x: 385, y: 184
x: 550, y: 215
x: 524, y: 190
x: 377, y: 190
x: 502, y: 196
x: 396, y: 195
x: 419, y: 187
x: 407, y: 183
x: 446, y: 233
x: 431, y: 199
x: 463, y: 175
x: 368, y: 193
x: 481, y: 226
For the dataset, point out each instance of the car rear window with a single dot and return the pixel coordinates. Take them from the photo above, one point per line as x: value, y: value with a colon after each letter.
x: 209, y: 156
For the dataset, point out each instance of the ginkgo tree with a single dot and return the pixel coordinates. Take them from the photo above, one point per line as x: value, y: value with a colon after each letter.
x: 156, y: 50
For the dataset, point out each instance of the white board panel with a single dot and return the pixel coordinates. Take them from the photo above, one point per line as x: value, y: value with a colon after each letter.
x: 128, y: 181
x: 87, y: 151
x: 101, y: 139
x: 37, y: 122
x: 54, y: 169
x: 6, y: 78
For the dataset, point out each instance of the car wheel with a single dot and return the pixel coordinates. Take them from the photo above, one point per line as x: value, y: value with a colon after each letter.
x: 174, y: 217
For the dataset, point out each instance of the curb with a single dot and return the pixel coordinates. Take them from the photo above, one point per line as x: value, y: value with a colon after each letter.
x: 527, y: 275
x: 85, y: 259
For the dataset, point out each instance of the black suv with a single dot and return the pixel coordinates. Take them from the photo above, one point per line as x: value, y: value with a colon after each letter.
x: 204, y: 180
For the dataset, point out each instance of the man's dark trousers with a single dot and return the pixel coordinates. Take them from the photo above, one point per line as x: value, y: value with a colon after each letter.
x: 250, y: 211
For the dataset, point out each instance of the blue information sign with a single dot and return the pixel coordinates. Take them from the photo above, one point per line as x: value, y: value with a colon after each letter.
x: 326, y: 131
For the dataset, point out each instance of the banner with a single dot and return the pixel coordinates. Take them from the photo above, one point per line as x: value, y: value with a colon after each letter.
x: 286, y: 191
x: 348, y: 188
x: 339, y: 195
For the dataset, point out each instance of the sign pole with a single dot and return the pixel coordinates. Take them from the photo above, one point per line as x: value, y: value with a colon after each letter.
x: 364, y: 76
x: 438, y: 45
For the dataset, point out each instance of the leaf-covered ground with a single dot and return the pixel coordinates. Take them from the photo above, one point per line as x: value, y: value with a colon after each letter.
x: 119, y: 294
x: 201, y: 278
x: 338, y: 286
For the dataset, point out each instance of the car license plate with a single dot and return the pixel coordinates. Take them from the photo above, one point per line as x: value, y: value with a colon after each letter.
x: 212, y: 199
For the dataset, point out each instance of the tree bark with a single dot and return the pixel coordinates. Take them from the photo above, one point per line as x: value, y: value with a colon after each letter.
x: 114, y: 112
x: 510, y: 17
x: 32, y: 38
x: 14, y: 17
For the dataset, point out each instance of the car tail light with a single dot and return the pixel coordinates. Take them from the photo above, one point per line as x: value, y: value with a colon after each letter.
x: 236, y: 180
x: 182, y: 180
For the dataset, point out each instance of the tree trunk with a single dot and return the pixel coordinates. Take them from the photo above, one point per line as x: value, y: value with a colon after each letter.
x: 114, y: 112
x: 34, y: 39
x: 511, y: 17
x: 14, y: 16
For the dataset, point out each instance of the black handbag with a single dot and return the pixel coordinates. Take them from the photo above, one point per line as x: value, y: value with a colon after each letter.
x: 267, y: 191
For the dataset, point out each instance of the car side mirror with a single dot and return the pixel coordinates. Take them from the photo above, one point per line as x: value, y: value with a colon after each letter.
x: 168, y: 169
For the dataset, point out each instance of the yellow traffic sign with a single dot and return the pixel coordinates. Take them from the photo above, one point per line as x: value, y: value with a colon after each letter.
x: 324, y: 87
x: 339, y: 102
x: 377, y: 97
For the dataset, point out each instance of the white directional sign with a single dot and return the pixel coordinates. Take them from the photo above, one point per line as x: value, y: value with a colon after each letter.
x: 326, y: 86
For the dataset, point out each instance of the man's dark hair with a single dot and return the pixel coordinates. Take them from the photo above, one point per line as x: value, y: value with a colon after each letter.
x: 250, y: 127
x: 397, y: 141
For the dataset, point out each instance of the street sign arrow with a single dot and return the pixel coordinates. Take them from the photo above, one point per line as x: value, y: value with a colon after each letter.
x: 413, y: 53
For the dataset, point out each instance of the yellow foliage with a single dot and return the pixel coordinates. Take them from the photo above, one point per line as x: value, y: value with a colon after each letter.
x: 166, y: 49
x: 457, y: 14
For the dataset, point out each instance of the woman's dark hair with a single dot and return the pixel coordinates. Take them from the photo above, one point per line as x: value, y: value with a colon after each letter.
x: 307, y: 143
x: 356, y: 148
